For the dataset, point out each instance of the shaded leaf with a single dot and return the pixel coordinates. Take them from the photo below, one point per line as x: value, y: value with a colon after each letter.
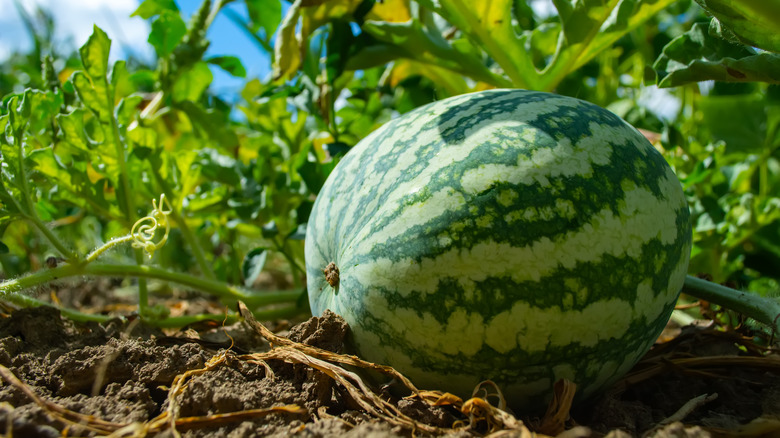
x: 738, y: 120
x: 299, y: 233
x: 230, y: 64
x: 218, y: 167
x: 3, y: 248
x: 253, y: 265
x: 698, y: 55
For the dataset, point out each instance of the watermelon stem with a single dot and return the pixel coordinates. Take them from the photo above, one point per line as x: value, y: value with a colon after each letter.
x: 762, y: 309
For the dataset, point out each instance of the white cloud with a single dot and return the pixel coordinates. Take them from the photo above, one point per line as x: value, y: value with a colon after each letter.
x: 73, y: 22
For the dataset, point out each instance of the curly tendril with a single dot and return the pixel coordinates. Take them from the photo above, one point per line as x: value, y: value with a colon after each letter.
x: 145, y: 229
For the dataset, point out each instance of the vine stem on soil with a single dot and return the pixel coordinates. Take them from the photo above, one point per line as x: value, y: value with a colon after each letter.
x: 763, y: 310
x: 222, y: 290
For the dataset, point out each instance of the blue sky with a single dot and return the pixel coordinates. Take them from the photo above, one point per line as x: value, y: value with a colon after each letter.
x: 74, y: 20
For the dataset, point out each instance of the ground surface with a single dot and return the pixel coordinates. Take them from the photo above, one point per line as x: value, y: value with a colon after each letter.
x: 62, y: 378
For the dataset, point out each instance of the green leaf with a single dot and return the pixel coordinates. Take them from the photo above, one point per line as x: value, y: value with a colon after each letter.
x: 590, y: 27
x: 92, y: 94
x: 253, y: 265
x: 218, y: 167
x: 150, y: 8
x: 213, y: 123
x: 8, y: 202
x: 265, y: 14
x: 19, y: 110
x: 230, y: 64
x: 697, y: 55
x: 128, y: 109
x: 94, y: 54
x: 168, y: 30
x: 755, y: 23
x: 422, y: 44
x: 143, y: 137
x: 121, y: 80
x: 287, y: 49
x: 191, y: 83
x: 44, y: 105
x: 740, y: 121
x: 72, y: 126
x: 3, y: 248
x: 581, y: 19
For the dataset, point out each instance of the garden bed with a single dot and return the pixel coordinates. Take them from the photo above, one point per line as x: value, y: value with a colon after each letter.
x: 123, y: 377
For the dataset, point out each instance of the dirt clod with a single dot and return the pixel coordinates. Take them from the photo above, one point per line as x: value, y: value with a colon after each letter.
x: 105, y: 372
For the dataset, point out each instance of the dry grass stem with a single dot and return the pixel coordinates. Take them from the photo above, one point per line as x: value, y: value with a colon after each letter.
x: 688, y: 407
x: 554, y: 420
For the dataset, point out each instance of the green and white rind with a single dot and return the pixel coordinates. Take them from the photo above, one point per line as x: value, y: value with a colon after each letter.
x: 510, y: 235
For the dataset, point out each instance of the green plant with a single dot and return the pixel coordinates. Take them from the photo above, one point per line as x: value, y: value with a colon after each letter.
x: 130, y: 137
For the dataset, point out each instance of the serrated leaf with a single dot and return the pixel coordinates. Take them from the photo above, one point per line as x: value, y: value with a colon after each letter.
x: 167, y: 32
x: 94, y: 53
x: 230, y: 64
x: 755, y: 23
x: 72, y: 126
x: 191, y: 84
x: 43, y: 106
x: 253, y: 265
x: 18, y: 114
x: 89, y: 92
x: 265, y: 14
x: 150, y: 8
x: 698, y: 55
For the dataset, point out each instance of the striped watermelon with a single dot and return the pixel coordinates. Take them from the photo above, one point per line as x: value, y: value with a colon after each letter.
x: 510, y: 235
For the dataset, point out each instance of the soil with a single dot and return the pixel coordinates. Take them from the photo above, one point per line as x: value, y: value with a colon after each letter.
x: 123, y: 378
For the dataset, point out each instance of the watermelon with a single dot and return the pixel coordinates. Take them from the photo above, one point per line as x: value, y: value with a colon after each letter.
x: 511, y: 235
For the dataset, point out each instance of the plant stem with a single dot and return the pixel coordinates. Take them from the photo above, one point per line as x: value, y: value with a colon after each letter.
x: 25, y: 301
x: 763, y: 310
x: 220, y: 289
